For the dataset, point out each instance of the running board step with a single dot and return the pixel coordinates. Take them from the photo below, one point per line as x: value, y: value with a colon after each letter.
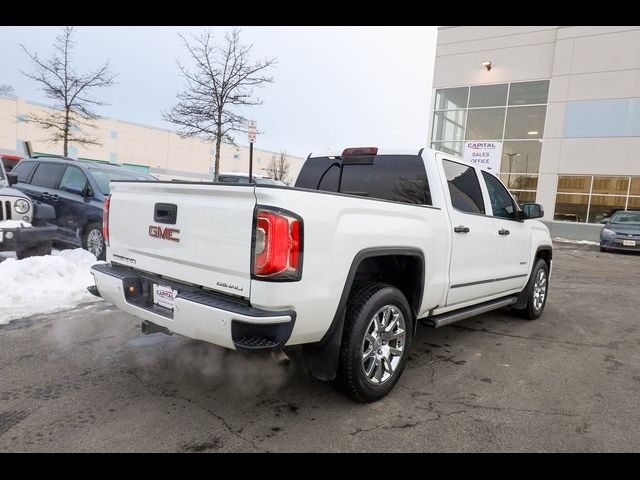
x: 450, y: 317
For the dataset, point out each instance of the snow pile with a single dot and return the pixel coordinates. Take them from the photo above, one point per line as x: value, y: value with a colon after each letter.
x: 577, y: 242
x: 45, y: 284
x: 14, y: 224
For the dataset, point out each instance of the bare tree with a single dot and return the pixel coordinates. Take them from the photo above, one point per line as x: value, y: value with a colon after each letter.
x: 279, y: 167
x: 70, y: 92
x: 7, y: 91
x: 221, y: 83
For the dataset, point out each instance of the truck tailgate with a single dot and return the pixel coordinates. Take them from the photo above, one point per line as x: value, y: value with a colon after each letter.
x: 208, y: 245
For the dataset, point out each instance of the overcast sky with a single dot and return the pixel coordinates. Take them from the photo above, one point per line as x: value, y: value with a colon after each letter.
x: 334, y: 86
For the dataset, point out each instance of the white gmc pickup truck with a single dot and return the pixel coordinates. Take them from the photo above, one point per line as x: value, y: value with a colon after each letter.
x: 338, y: 269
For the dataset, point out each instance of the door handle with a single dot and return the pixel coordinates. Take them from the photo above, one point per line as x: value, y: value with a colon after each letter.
x: 45, y: 195
x: 503, y: 231
x: 461, y: 229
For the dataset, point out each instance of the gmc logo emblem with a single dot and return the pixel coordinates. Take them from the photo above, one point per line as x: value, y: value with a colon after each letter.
x: 166, y: 233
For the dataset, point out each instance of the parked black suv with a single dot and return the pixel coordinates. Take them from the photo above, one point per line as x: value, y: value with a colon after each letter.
x: 76, y: 190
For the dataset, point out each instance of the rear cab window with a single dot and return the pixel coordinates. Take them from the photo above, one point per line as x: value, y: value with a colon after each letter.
x: 396, y: 178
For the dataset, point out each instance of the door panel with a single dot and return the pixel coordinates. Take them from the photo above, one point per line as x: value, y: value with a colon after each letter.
x: 44, y: 182
x: 474, y: 238
x: 514, y: 237
x: 71, y: 206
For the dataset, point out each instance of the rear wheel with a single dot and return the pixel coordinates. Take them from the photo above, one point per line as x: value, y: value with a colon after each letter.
x: 93, y: 241
x: 37, y: 251
x: 537, y: 290
x: 376, y: 342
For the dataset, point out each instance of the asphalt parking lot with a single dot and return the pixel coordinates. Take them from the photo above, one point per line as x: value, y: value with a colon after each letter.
x: 87, y: 380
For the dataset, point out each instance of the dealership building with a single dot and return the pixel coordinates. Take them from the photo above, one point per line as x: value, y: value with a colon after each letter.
x: 161, y: 152
x: 554, y: 110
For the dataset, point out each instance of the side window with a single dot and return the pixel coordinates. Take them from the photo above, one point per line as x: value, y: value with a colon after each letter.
x: 501, y: 202
x: 464, y: 187
x: 47, y: 175
x: 23, y: 170
x: 73, y: 178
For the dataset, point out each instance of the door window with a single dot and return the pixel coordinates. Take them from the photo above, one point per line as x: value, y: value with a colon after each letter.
x: 23, y: 170
x: 47, y: 175
x: 501, y: 202
x: 74, y: 179
x: 464, y: 187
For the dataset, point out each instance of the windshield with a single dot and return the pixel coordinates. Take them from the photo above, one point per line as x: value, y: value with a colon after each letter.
x: 630, y: 218
x: 103, y: 177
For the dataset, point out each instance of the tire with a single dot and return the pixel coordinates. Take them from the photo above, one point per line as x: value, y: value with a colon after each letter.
x: 370, y: 308
x: 602, y: 249
x: 93, y: 241
x: 37, y: 251
x: 534, y: 308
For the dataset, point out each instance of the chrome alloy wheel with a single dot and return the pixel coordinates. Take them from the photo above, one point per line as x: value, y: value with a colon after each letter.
x: 94, y: 242
x: 540, y: 290
x: 383, y: 345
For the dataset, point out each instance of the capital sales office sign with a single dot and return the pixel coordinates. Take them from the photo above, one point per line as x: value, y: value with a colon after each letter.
x: 486, y: 154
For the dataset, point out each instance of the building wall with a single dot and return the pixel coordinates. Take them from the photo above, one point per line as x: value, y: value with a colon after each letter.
x: 163, y: 151
x: 592, y: 121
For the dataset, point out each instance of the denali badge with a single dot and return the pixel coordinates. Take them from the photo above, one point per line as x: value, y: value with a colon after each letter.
x: 164, y: 233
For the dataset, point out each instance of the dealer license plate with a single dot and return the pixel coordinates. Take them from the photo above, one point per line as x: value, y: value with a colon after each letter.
x: 629, y: 243
x: 164, y: 296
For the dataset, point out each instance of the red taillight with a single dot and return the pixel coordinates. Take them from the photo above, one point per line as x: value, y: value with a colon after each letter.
x: 278, y: 245
x: 360, y: 151
x: 105, y: 219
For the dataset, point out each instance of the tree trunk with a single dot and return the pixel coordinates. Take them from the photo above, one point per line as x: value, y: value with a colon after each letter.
x: 216, y: 167
x: 65, y: 148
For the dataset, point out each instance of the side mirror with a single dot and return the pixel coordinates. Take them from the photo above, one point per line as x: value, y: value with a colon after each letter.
x: 532, y: 210
x: 12, y: 178
x: 75, y: 189
x: 604, y: 221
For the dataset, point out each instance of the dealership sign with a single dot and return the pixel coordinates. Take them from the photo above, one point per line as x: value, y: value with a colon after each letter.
x: 486, y: 154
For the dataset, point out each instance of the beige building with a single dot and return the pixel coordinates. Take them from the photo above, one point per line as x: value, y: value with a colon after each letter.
x: 157, y: 151
x: 561, y: 103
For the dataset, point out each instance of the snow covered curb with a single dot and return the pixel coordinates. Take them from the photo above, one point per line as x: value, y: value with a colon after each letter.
x: 577, y: 242
x: 47, y: 284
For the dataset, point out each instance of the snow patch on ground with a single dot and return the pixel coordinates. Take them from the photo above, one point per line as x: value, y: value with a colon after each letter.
x: 577, y: 242
x: 14, y: 224
x: 46, y: 284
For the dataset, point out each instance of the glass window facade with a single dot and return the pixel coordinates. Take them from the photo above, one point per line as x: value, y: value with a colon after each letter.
x: 511, y: 113
x: 589, y: 199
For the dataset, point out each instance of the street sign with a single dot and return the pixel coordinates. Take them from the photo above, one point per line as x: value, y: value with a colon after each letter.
x: 252, y: 131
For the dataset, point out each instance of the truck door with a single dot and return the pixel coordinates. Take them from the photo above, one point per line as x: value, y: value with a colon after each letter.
x: 44, y: 182
x: 473, y: 236
x: 514, y: 237
x: 73, y: 207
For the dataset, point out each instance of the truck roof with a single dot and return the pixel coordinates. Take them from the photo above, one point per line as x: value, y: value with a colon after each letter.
x: 390, y: 151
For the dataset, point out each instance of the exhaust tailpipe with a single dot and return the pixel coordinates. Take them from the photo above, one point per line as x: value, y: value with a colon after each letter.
x: 280, y: 357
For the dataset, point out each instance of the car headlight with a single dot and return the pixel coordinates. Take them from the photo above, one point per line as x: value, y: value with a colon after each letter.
x: 607, y: 232
x: 21, y: 206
